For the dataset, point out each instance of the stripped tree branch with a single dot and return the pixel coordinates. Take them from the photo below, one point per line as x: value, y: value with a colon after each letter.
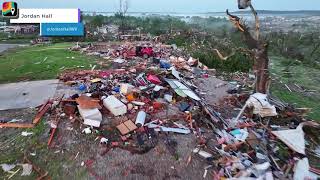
x: 236, y: 22
x: 241, y: 50
x: 222, y: 57
x: 250, y: 41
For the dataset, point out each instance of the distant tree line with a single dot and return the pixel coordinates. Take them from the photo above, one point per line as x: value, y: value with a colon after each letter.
x: 199, y: 36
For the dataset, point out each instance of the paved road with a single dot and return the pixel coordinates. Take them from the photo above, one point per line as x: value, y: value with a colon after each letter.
x: 4, y: 47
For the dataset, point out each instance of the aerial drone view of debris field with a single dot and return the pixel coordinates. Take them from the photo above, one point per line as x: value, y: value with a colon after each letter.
x: 228, y: 92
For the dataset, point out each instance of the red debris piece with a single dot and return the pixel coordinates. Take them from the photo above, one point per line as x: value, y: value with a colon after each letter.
x: 153, y: 79
x: 157, y: 105
x: 114, y: 144
x: 147, y: 51
x: 41, y: 112
x: 86, y: 102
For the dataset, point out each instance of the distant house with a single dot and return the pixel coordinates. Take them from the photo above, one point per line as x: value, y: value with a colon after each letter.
x: 105, y: 29
x: 41, y: 40
x: 23, y: 29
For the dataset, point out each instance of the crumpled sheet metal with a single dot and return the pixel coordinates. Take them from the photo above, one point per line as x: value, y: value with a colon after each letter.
x: 169, y: 129
x: 181, y: 89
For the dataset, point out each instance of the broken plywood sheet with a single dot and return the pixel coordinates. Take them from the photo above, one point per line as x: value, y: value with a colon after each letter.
x: 86, y: 102
x: 126, y: 127
x: 294, y: 138
x: 26, y: 94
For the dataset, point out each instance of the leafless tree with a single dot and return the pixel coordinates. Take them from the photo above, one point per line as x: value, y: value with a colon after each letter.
x: 123, y: 9
x: 257, y: 47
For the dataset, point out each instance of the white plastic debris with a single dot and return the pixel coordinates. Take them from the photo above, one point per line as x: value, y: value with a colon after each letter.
x: 192, y: 61
x: 269, y: 175
x: 115, y: 106
x: 92, y: 117
x: 168, y: 98
x: 120, y: 61
x: 15, y: 120
x: 141, y: 118
x: 260, y: 169
x: 87, y: 130
x: 126, y: 88
x: 26, y: 169
x: 130, y: 106
x: 294, y: 138
x: 93, y: 67
x: 261, y: 105
x: 137, y: 103
x: 157, y: 88
x: 53, y: 125
x: 25, y: 133
x: 7, y: 167
x: 205, y: 173
x: 104, y: 140
x: 175, y: 73
x: 202, y: 153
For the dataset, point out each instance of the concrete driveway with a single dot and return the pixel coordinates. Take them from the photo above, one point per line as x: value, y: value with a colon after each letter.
x: 26, y: 94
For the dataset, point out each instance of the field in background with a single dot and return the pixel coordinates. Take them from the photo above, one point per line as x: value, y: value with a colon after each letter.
x: 302, y: 80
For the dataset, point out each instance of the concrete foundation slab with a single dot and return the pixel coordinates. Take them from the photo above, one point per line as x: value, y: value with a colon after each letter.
x: 26, y: 94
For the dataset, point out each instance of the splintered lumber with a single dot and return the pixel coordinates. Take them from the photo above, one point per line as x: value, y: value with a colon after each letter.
x: 53, y: 131
x: 16, y: 125
x: 41, y: 112
x: 43, y: 109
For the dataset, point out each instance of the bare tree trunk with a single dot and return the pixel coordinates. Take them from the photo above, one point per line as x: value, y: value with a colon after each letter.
x: 261, y: 68
x: 123, y: 9
x: 258, y: 49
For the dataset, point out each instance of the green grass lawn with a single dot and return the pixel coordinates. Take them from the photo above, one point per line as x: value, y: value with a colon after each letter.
x: 41, y: 62
x: 304, y: 76
x: 45, y: 158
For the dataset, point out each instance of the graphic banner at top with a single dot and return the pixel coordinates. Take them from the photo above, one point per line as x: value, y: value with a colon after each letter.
x: 47, y: 16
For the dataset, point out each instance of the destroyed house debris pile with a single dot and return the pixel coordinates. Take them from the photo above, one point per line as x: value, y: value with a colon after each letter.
x: 152, y: 89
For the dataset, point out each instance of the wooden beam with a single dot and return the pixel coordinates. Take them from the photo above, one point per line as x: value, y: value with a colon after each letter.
x: 40, y: 114
x: 16, y: 125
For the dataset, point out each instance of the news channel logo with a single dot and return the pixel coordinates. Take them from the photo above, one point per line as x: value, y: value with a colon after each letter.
x: 10, y: 9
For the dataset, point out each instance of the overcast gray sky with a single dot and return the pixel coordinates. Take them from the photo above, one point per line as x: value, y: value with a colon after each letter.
x: 190, y: 6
